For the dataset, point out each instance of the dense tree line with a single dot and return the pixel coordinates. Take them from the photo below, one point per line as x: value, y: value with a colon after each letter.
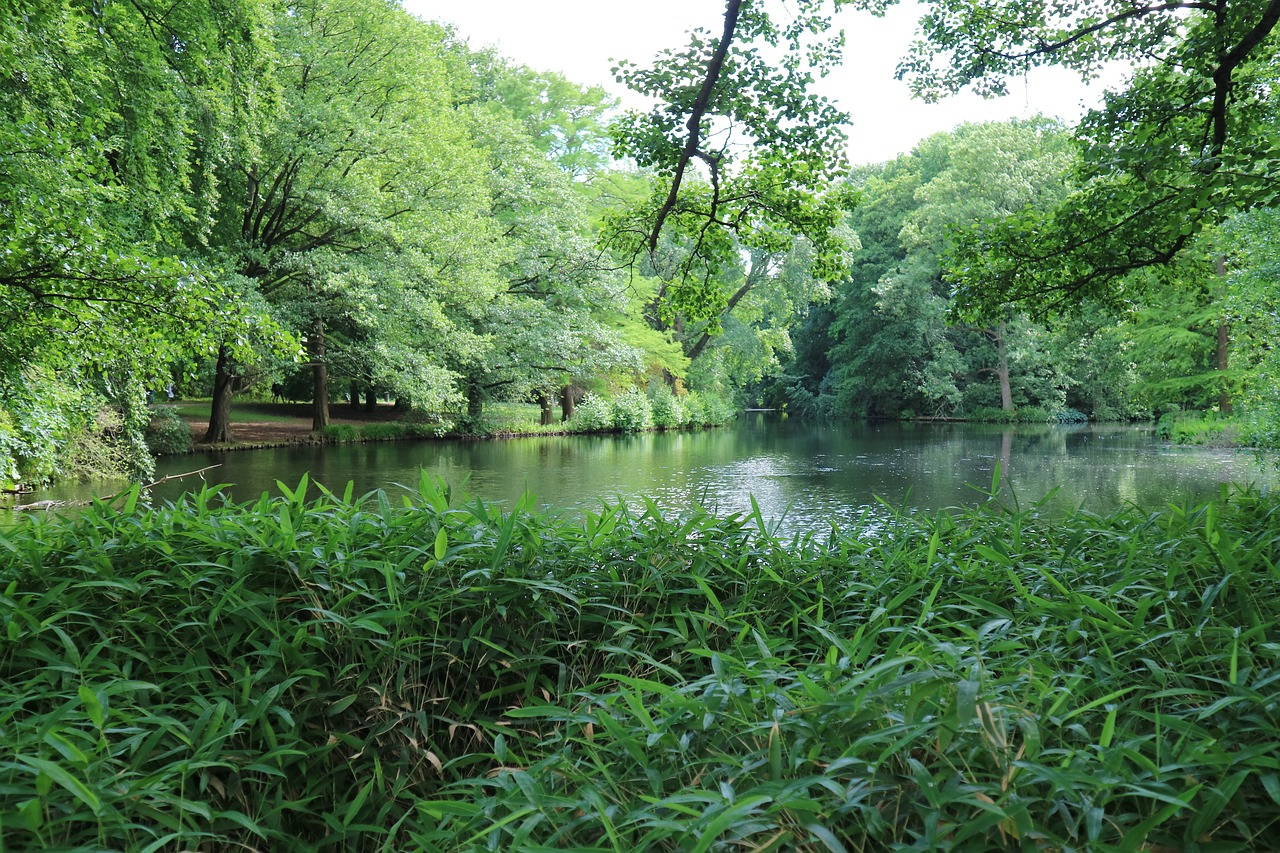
x: 896, y: 341
x: 331, y: 196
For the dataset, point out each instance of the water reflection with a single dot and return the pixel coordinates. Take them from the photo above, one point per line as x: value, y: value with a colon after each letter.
x: 806, y: 476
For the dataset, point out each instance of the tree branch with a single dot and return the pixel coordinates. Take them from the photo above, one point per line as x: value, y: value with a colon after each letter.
x: 694, y: 123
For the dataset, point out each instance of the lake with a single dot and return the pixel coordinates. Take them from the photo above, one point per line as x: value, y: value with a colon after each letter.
x: 803, y: 475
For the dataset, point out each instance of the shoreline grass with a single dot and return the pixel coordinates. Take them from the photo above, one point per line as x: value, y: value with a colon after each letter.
x: 435, y: 673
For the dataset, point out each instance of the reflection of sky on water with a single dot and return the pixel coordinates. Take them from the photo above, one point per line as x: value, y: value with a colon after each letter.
x: 803, y: 477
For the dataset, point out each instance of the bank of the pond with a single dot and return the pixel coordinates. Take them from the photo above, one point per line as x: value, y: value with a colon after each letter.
x: 374, y: 674
x: 264, y: 426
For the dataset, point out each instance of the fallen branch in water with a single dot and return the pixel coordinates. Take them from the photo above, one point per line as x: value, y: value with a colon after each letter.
x: 56, y: 504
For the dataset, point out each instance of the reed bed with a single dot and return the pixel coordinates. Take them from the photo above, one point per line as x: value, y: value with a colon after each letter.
x: 434, y: 673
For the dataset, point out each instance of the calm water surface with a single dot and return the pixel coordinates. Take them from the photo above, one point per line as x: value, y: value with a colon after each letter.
x: 801, y: 474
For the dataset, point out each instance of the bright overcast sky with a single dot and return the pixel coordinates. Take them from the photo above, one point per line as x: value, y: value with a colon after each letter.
x: 580, y: 38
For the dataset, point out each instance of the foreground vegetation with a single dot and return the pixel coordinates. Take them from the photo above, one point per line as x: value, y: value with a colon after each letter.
x: 388, y: 673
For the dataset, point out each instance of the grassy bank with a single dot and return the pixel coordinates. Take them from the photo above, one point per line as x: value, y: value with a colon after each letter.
x: 255, y: 424
x: 352, y: 674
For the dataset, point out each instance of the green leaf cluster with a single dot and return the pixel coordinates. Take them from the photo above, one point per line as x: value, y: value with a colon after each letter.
x: 428, y: 672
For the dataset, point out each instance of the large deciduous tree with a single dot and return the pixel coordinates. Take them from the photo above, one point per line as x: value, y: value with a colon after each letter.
x: 544, y: 328
x: 367, y: 197
x: 1190, y: 140
x: 115, y: 122
x: 893, y: 349
x: 114, y: 119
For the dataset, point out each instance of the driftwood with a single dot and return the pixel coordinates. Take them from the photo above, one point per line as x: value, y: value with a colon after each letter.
x: 53, y: 504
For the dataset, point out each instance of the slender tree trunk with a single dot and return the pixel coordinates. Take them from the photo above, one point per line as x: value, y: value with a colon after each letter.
x: 546, y: 402
x: 1224, y: 345
x: 1002, y: 370
x: 475, y: 403
x: 320, y: 370
x: 220, y: 410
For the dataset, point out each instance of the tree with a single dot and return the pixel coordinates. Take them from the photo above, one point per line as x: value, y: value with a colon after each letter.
x: 738, y: 107
x: 366, y: 197
x: 993, y: 170
x: 1253, y: 306
x: 1187, y: 143
x: 893, y: 348
x: 544, y: 328
x: 115, y: 119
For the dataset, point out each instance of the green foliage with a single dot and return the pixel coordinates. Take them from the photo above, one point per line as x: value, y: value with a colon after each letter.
x: 632, y: 411
x: 593, y: 414
x: 667, y: 408
x: 1199, y: 428
x: 739, y: 105
x: 704, y: 409
x: 341, y: 432
x: 1189, y: 141
x: 1252, y: 306
x: 167, y: 433
x: 438, y: 674
x: 61, y: 426
x: 894, y: 339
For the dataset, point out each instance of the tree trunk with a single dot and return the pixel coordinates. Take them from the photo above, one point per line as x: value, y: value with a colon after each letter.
x: 546, y: 403
x: 370, y: 399
x: 353, y: 395
x: 1224, y: 345
x: 320, y: 370
x: 475, y: 403
x: 220, y: 410
x: 1002, y: 370
x: 567, y: 401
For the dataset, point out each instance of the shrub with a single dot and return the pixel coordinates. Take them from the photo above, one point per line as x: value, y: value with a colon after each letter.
x: 694, y: 412
x: 59, y: 425
x: 1208, y: 429
x: 1070, y: 416
x: 668, y: 411
x: 632, y: 411
x: 593, y: 414
x: 167, y: 433
x: 718, y: 410
x: 993, y: 415
x: 1035, y: 415
x: 341, y: 432
x: 383, y: 431
x: 357, y: 674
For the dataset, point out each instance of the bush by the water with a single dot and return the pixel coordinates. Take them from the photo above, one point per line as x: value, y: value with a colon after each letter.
x: 632, y: 411
x: 1209, y: 429
x: 167, y: 433
x: 431, y: 674
x: 668, y: 410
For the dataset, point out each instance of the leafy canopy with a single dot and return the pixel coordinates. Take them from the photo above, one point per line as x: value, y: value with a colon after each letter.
x: 1191, y: 140
x: 745, y: 154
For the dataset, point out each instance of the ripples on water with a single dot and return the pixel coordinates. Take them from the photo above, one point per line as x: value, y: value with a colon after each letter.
x: 804, y: 477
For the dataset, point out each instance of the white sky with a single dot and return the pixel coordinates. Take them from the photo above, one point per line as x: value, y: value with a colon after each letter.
x: 580, y: 38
